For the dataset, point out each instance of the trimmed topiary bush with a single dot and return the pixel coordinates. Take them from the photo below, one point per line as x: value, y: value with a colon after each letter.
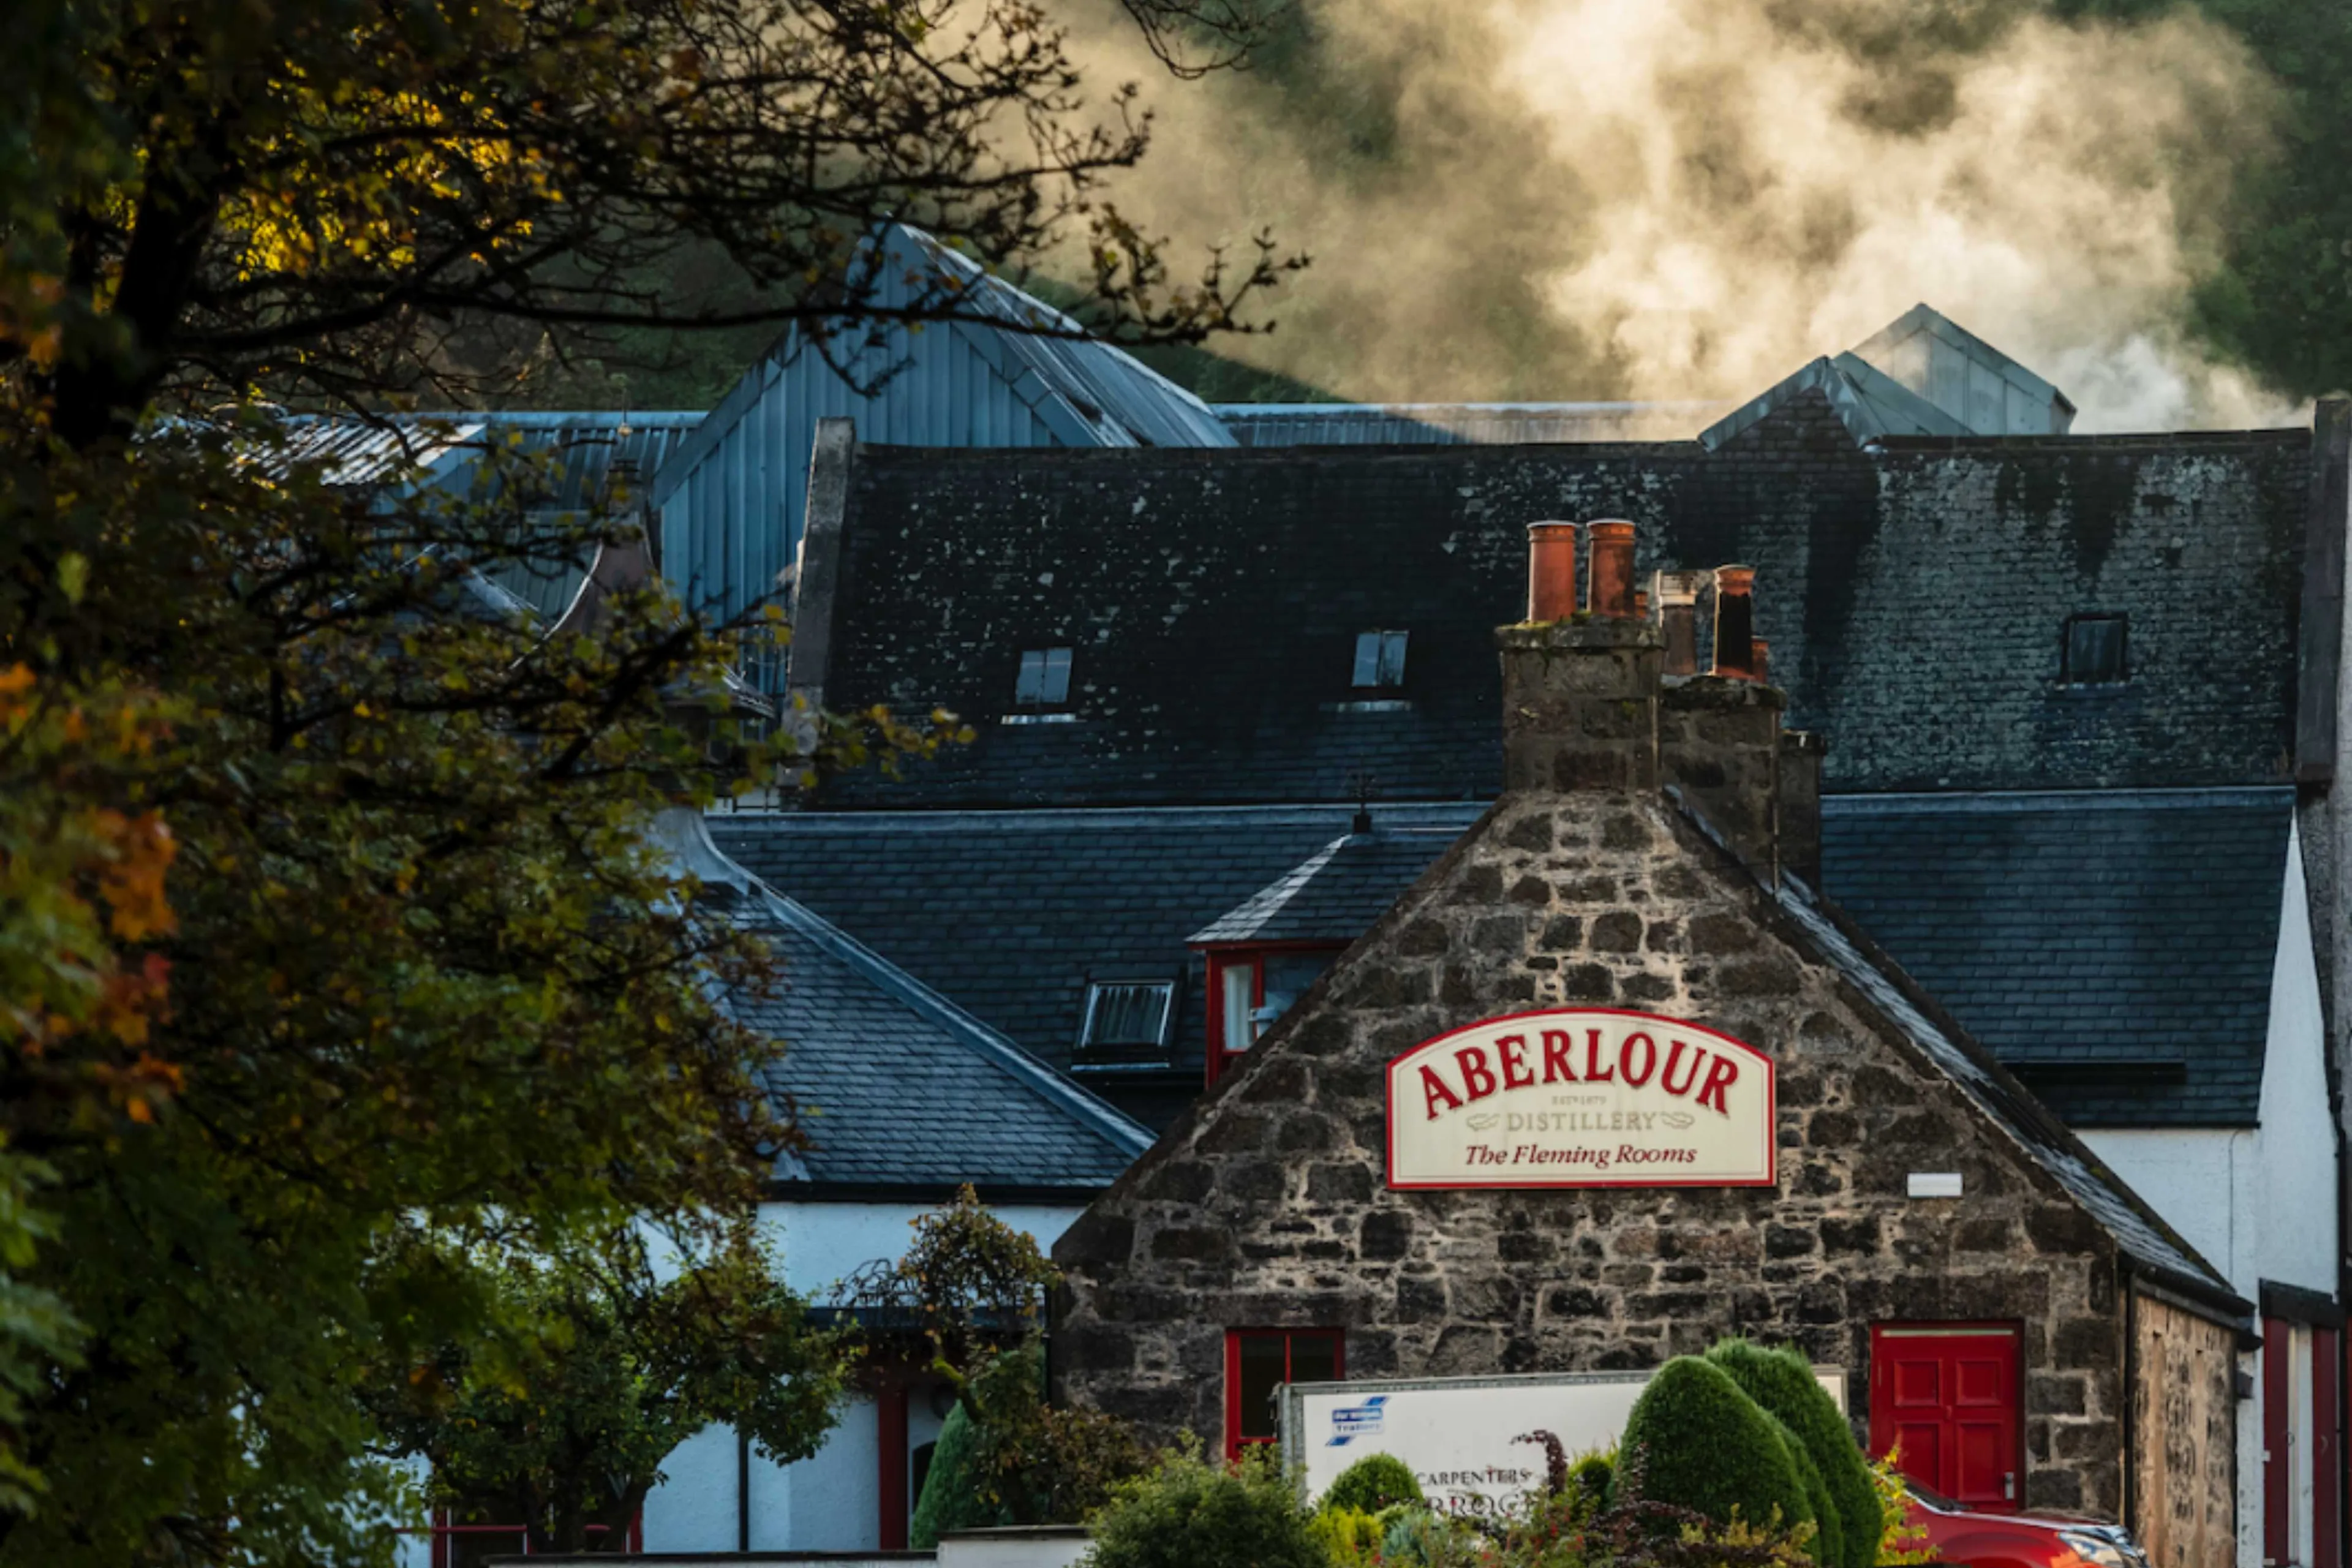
x: 1374, y: 1482
x: 1707, y: 1446
x: 1190, y: 1513
x: 1828, y: 1544
x: 951, y: 1499
x: 1781, y: 1382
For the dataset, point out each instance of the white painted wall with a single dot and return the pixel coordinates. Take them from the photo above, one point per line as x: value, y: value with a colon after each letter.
x: 2258, y: 1202
x: 829, y: 1501
x: 825, y: 1243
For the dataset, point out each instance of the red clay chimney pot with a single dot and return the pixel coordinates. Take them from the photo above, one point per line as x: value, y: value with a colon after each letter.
x: 1735, y: 623
x: 1551, y: 571
x: 1612, y: 569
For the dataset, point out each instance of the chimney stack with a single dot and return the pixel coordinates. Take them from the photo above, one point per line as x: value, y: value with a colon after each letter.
x: 1551, y: 572
x: 1580, y: 694
x: 1719, y: 737
x: 1612, y: 569
x: 1588, y: 705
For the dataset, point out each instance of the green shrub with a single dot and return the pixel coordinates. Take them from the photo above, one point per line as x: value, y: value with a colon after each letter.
x: 1781, y: 1382
x: 1190, y: 1513
x: 1022, y: 1461
x: 951, y: 1499
x: 1707, y: 1446
x: 1351, y: 1535
x: 1593, y: 1477
x: 1827, y: 1544
x: 1374, y: 1482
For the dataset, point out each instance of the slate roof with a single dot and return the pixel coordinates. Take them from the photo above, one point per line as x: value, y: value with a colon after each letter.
x: 2138, y: 1229
x: 2113, y: 949
x: 1338, y: 892
x: 895, y: 1085
x: 1915, y: 596
x: 1011, y: 913
x: 898, y: 1087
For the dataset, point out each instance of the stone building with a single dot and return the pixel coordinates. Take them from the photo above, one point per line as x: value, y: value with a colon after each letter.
x: 1351, y: 1198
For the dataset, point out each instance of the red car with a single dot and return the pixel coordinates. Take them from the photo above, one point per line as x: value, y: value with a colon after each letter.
x: 1955, y: 1534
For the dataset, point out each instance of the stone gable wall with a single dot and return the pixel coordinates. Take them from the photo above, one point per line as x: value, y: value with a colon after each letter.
x: 1267, y: 1207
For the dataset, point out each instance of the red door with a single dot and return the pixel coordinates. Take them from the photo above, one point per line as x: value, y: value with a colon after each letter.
x: 1946, y: 1397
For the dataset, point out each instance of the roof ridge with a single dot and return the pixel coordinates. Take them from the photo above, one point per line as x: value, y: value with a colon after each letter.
x: 1276, y: 895
x: 1871, y: 803
x: 1114, y: 1126
x: 1058, y: 816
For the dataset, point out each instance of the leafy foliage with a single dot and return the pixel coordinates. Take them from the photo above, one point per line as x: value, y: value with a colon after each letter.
x: 1189, y: 1511
x: 343, y: 198
x: 1372, y: 1483
x: 1705, y: 1446
x: 1784, y: 1386
x: 972, y: 1289
x: 431, y: 985
x: 614, y: 1362
x: 1899, y: 1540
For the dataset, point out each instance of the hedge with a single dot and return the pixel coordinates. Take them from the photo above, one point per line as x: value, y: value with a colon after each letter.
x: 1783, y: 1383
x: 1703, y: 1445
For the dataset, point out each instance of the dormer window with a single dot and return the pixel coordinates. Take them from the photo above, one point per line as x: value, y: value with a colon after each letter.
x: 1380, y: 658
x: 1126, y: 1023
x: 1045, y: 678
x: 2094, y: 651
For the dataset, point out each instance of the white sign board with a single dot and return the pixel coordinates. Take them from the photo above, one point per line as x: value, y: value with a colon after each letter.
x: 1586, y: 1097
x: 1455, y: 1433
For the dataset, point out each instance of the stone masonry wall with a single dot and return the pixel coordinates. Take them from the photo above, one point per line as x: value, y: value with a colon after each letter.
x: 1268, y: 1207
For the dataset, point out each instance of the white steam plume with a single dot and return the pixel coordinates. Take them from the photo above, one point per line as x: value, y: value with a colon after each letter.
x: 1667, y: 199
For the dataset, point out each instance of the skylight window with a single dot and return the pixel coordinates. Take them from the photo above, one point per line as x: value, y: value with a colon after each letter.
x: 1128, y: 1015
x: 1380, y: 658
x: 2094, y: 653
x: 1045, y: 679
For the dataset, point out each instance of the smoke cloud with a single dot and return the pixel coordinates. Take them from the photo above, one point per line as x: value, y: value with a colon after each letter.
x: 1683, y: 199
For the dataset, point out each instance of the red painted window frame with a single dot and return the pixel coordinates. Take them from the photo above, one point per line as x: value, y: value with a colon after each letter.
x: 1235, y: 1441
x: 1224, y: 956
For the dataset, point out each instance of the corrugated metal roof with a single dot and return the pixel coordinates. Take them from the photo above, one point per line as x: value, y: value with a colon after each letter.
x: 733, y: 494
x: 578, y: 447
x: 1460, y: 424
x: 1116, y: 399
x: 572, y: 453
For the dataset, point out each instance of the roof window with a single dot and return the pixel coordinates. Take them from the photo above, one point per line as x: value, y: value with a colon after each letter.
x: 1045, y: 679
x: 1127, y: 1019
x: 2094, y: 652
x: 1380, y: 658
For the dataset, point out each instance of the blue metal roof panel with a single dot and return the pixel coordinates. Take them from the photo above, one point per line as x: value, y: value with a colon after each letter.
x: 1460, y: 424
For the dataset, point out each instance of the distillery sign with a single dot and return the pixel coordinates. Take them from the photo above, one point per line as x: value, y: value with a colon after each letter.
x: 1583, y: 1097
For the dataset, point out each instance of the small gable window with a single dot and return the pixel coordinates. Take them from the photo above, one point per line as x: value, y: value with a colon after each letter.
x: 1260, y: 1361
x: 1380, y: 658
x: 2095, y: 652
x: 1045, y: 679
x: 1127, y: 1019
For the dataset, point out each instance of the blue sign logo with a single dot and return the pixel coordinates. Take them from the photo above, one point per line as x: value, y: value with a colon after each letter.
x: 1350, y: 1422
